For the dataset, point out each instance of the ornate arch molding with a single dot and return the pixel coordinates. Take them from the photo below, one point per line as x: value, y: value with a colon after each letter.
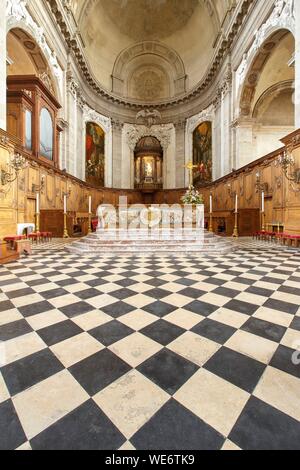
x: 272, y: 92
x: 280, y: 23
x: 90, y: 115
x: 175, y: 66
x: 162, y: 133
x: 18, y: 17
x: 191, y: 124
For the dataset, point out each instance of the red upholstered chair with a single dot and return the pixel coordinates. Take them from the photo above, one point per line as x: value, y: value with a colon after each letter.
x: 35, y: 237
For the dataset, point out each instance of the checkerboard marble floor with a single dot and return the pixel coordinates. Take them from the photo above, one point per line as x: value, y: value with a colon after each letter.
x: 167, y: 353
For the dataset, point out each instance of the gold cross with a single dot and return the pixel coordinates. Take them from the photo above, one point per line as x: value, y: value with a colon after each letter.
x: 190, y: 167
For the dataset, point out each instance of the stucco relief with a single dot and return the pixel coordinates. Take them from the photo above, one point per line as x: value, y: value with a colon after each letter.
x: 282, y: 16
x: 149, y: 85
x: 162, y: 133
x: 19, y: 17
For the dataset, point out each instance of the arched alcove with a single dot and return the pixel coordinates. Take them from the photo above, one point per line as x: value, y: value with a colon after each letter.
x: 25, y: 57
x: 148, y: 164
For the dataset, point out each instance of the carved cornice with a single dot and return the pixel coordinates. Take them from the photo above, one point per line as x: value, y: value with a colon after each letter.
x: 224, y: 48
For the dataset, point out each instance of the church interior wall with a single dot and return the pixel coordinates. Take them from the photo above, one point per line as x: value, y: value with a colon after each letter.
x: 238, y: 140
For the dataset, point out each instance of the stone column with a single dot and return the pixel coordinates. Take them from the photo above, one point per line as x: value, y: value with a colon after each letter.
x: 3, y: 65
x: 245, y: 143
x: 226, y: 159
x: 71, y: 161
x: 297, y: 63
x: 121, y: 175
x: 180, y: 153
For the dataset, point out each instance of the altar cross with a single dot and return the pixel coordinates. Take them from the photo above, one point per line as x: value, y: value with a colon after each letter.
x: 190, y: 167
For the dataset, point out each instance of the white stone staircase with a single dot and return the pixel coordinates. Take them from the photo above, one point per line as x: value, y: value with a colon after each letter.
x: 141, y: 241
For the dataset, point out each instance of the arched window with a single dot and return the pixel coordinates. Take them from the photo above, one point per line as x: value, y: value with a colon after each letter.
x: 202, y: 153
x: 95, y: 158
x: 46, y: 134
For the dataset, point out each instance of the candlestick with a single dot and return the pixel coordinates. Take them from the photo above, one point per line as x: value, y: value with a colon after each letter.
x: 37, y: 222
x: 236, y: 229
x: 263, y: 225
x: 236, y: 203
x: 65, y: 203
x: 210, y: 203
x: 263, y: 201
x: 211, y: 229
x: 66, y: 235
x: 37, y: 203
x: 90, y: 215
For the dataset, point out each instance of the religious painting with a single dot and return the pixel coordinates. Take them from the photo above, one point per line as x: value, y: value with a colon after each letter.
x: 46, y: 134
x: 95, y: 158
x: 202, y: 153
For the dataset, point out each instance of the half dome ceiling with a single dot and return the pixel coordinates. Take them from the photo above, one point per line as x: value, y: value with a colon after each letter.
x: 164, y: 46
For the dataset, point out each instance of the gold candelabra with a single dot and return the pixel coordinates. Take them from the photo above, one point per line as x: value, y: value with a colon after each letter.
x: 66, y: 235
x: 90, y: 223
x: 263, y: 221
x: 37, y: 222
x: 236, y: 229
x: 211, y: 228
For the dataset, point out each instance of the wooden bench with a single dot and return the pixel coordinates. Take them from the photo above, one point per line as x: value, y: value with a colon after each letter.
x: 6, y: 254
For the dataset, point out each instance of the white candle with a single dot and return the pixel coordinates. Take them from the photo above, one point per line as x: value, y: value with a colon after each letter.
x: 65, y: 203
x: 263, y: 201
x: 210, y: 204
x: 90, y: 204
x: 236, y: 203
x: 37, y: 203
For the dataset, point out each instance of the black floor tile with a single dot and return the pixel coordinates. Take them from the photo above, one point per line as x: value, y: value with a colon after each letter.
x: 173, y: 427
x: 12, y: 435
x: 287, y: 360
x: 88, y: 293
x: 19, y: 293
x: 59, y: 332
x: 295, y: 325
x: 241, y: 307
x: 157, y: 293
x: 191, y: 292
x: 111, y: 332
x: 125, y: 283
x: 162, y: 332
x: 14, y: 329
x: 6, y: 305
x: 202, y: 308
x: 168, y: 370
x: 118, y: 309
x: 236, y: 368
x: 281, y: 306
x: 54, y: 293
x: 122, y: 294
x: 259, y: 291
x: 36, y: 308
x: 159, y: 308
x: 86, y: 428
x: 98, y: 371
x: 265, y: 329
x: 262, y: 427
x: 76, y: 309
x: 226, y: 292
x: 214, y: 330
x: 30, y: 370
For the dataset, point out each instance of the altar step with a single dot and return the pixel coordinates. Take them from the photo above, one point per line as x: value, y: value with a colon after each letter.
x: 137, y: 243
